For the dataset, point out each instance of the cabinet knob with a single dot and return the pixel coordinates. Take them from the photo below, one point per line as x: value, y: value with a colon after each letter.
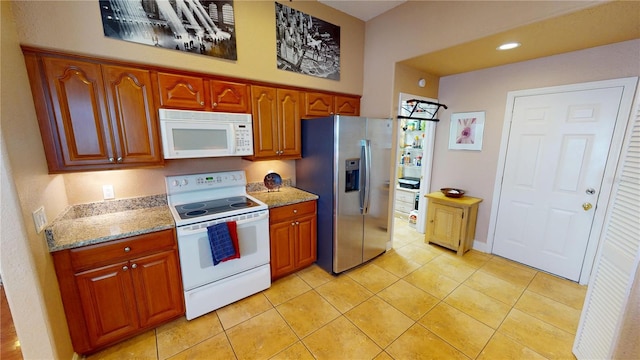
x: 295, y: 211
x: 125, y: 268
x: 215, y: 104
x: 293, y: 224
x: 127, y: 249
x: 297, y: 223
x: 133, y: 266
x: 119, y: 159
x: 202, y: 103
x: 111, y: 159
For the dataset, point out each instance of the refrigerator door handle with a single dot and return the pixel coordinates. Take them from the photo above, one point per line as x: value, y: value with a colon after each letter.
x: 365, y: 194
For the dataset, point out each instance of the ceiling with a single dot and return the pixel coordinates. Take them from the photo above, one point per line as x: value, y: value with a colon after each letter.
x: 363, y: 9
x: 608, y: 23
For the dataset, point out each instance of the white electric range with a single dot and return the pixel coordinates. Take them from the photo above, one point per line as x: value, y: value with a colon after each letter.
x: 198, y: 201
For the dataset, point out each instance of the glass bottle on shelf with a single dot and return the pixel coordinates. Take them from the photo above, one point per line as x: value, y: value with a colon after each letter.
x: 407, y: 159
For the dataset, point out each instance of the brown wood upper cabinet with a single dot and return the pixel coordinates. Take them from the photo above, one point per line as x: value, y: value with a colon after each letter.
x: 276, y: 123
x: 316, y: 104
x: 94, y: 116
x: 199, y: 93
x: 346, y: 105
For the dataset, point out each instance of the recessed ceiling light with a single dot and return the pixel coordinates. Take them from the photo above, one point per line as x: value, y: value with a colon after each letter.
x: 508, y: 46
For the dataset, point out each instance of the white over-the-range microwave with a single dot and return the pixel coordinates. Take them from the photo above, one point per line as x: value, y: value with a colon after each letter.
x: 196, y: 134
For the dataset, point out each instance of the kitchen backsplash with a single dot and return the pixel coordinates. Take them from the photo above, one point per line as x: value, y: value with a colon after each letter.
x: 112, y: 206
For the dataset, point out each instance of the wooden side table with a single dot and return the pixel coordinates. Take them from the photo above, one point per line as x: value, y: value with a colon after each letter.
x: 451, y: 222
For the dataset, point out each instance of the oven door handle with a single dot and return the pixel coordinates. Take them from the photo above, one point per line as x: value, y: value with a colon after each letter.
x: 190, y: 229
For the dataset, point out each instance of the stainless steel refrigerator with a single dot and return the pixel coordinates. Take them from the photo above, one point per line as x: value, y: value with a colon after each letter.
x: 346, y: 162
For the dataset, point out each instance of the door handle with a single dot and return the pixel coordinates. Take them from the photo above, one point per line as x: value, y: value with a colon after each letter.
x: 587, y: 206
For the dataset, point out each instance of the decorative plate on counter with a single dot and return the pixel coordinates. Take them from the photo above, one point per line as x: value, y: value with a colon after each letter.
x: 273, y: 181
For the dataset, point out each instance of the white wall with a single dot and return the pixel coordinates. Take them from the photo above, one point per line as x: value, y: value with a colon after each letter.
x: 26, y: 266
x: 486, y: 90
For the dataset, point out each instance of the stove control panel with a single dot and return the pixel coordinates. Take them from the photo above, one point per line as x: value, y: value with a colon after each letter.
x: 182, y: 183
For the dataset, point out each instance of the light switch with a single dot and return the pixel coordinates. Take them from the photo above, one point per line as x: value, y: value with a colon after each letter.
x: 39, y: 219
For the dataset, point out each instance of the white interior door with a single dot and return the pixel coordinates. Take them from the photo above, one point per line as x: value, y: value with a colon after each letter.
x: 558, y: 147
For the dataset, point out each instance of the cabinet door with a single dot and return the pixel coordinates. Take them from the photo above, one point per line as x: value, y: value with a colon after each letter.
x: 306, y: 244
x: 108, y: 303
x: 283, y: 237
x: 317, y: 104
x: 229, y: 97
x: 133, y: 115
x: 289, y: 123
x: 445, y: 225
x: 265, y: 121
x: 80, y: 131
x: 347, y: 106
x: 158, y: 288
x: 181, y: 91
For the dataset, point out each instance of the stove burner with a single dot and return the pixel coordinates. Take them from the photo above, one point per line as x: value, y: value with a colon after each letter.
x: 214, y: 206
x: 193, y: 206
x: 196, y: 212
x: 241, y: 204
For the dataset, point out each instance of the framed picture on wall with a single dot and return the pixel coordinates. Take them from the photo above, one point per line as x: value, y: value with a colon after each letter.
x: 466, y: 131
x: 205, y: 27
x: 306, y: 44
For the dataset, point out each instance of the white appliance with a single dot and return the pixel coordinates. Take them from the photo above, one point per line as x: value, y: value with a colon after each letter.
x: 201, y: 200
x: 195, y: 134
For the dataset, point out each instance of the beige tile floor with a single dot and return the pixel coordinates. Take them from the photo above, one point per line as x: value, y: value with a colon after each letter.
x: 416, y: 301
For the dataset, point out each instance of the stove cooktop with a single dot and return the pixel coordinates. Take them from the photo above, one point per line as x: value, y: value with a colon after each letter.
x: 217, y: 206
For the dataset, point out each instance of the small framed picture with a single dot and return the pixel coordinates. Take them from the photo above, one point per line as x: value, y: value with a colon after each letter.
x: 466, y: 131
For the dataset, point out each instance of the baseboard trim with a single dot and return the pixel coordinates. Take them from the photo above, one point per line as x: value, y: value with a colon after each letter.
x: 482, y: 247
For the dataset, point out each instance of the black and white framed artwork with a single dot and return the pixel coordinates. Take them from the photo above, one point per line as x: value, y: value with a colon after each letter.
x: 204, y: 27
x: 307, y: 45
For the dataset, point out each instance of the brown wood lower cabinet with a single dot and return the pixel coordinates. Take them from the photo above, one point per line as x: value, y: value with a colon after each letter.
x: 114, y: 290
x: 293, y: 233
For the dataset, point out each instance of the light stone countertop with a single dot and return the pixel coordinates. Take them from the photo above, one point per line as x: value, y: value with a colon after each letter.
x: 94, y: 223
x: 87, y: 224
x: 287, y: 195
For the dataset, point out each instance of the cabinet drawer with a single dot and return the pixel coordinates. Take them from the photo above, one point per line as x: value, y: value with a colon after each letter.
x: 404, y: 207
x: 92, y: 255
x: 405, y: 196
x: 291, y: 211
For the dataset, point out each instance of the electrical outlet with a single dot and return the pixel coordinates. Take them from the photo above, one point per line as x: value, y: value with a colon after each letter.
x: 107, y: 192
x: 39, y: 219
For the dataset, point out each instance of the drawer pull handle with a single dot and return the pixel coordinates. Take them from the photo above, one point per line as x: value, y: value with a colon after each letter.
x: 127, y: 249
x: 125, y: 268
